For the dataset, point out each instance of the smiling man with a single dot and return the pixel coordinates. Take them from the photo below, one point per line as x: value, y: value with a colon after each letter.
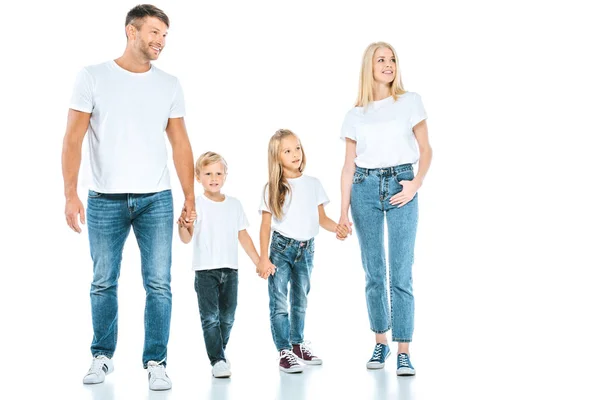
x: 126, y: 106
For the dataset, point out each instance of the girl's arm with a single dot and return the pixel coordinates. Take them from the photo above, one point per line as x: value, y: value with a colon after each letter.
x: 248, y: 246
x: 265, y: 267
x: 347, y: 175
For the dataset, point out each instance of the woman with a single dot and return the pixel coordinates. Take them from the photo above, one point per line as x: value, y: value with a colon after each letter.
x: 385, y: 134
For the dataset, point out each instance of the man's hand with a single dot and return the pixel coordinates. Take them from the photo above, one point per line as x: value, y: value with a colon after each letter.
x: 73, y: 207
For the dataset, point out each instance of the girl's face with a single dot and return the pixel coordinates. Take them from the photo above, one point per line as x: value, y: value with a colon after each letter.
x: 212, y: 177
x: 384, y: 65
x: 290, y: 154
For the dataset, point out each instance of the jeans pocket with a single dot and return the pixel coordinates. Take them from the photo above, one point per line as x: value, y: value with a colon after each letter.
x: 278, y: 246
x: 358, y: 178
x: 408, y: 175
x: 93, y: 194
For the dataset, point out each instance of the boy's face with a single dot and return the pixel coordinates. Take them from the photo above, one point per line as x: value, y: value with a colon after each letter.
x: 212, y: 177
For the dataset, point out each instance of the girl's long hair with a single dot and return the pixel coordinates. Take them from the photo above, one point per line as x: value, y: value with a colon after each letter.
x: 277, y: 188
x: 366, y: 82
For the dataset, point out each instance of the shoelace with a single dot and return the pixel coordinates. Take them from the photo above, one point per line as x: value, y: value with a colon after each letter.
x: 305, y: 349
x: 377, y: 351
x: 97, y: 366
x: 157, y: 370
x: 290, y: 357
x: 403, y: 361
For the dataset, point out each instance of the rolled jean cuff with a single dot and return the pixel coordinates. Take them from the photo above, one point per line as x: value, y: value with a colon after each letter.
x: 379, y: 332
x: 401, y: 340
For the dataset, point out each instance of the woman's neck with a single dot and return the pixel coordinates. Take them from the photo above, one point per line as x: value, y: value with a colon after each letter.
x: 381, y: 91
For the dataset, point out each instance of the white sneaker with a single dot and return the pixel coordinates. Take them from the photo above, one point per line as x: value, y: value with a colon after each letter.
x: 157, y: 376
x: 101, y: 366
x: 221, y: 370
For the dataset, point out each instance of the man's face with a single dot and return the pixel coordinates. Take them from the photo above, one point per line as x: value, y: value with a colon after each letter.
x: 150, y: 39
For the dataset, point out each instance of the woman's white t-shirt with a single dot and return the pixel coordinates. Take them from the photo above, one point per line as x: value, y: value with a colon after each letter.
x: 215, y: 240
x: 300, y: 219
x: 383, y: 131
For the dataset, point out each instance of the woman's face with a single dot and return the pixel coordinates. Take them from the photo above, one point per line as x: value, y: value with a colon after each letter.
x: 384, y: 65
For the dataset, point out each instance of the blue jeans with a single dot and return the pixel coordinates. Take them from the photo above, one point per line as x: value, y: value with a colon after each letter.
x: 217, y: 299
x: 370, y: 203
x: 110, y: 218
x: 294, y: 262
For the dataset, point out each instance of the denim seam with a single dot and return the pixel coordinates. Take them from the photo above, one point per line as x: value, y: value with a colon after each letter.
x: 379, y: 332
x: 401, y: 340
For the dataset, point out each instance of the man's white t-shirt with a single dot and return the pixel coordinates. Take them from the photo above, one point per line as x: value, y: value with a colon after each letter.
x: 300, y: 210
x: 215, y: 239
x: 126, y: 135
x: 383, y: 131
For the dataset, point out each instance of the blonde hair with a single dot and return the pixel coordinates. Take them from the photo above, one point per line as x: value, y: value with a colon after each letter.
x: 278, y: 187
x: 365, y: 86
x: 208, y: 158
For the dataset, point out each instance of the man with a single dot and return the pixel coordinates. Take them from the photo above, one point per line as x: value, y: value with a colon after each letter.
x: 126, y: 105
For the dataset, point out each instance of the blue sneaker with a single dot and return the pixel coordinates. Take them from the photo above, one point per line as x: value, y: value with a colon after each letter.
x: 404, y: 366
x: 381, y: 352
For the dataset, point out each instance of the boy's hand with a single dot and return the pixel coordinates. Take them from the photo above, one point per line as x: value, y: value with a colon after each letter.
x: 188, y: 222
x: 341, y: 231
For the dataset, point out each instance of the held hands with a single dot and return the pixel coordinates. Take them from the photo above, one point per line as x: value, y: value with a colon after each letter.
x: 185, y: 221
x: 265, y: 268
x: 343, y: 228
x: 409, y: 189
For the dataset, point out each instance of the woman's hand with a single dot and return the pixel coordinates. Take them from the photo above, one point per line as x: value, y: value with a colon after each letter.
x: 409, y: 189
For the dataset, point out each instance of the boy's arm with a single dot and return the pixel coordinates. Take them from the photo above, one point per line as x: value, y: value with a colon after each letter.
x: 248, y: 245
x: 185, y: 234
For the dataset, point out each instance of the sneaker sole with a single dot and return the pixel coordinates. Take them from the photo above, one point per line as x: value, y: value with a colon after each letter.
x: 294, y: 370
x: 223, y: 375
x: 405, y: 372
x: 311, y: 362
x: 377, y: 365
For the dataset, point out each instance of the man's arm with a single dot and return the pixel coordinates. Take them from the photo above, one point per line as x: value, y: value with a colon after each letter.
x: 77, y: 125
x: 183, y: 160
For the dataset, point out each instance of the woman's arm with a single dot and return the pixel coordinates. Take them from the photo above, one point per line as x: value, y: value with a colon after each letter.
x: 346, y: 186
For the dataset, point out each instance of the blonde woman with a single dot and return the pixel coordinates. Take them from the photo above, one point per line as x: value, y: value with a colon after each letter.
x: 293, y: 209
x: 385, y: 134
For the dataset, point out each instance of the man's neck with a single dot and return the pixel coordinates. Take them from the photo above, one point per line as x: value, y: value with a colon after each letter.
x: 130, y: 62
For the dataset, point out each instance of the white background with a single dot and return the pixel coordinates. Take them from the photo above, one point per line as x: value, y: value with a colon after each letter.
x: 505, y: 273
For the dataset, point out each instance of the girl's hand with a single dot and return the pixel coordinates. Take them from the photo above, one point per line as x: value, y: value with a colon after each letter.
x: 409, y: 189
x: 341, y: 231
x: 345, y: 222
x: 265, y: 268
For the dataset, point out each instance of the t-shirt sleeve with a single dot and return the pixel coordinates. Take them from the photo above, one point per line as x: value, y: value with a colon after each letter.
x: 82, y: 98
x: 321, y: 195
x: 264, y: 201
x: 242, y: 220
x: 348, y: 127
x: 418, y: 113
x: 178, y: 104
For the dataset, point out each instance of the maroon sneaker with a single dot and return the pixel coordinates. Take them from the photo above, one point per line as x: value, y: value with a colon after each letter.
x: 288, y: 362
x: 302, y: 351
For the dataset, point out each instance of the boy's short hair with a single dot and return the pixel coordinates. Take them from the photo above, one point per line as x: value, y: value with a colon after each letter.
x: 210, y: 157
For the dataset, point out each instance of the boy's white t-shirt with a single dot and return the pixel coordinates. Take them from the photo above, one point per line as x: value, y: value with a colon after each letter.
x: 215, y: 239
x: 383, y: 131
x: 126, y: 135
x: 300, y: 210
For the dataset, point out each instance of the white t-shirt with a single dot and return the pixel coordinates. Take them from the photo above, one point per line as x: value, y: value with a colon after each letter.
x: 300, y: 210
x: 126, y: 135
x: 383, y: 133
x: 215, y: 239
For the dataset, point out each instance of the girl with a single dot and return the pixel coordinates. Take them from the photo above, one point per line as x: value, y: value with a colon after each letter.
x: 293, y: 208
x: 385, y: 135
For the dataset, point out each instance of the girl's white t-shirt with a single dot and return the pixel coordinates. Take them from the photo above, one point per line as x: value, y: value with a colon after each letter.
x: 126, y: 136
x: 300, y: 210
x: 215, y: 240
x: 383, y: 131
